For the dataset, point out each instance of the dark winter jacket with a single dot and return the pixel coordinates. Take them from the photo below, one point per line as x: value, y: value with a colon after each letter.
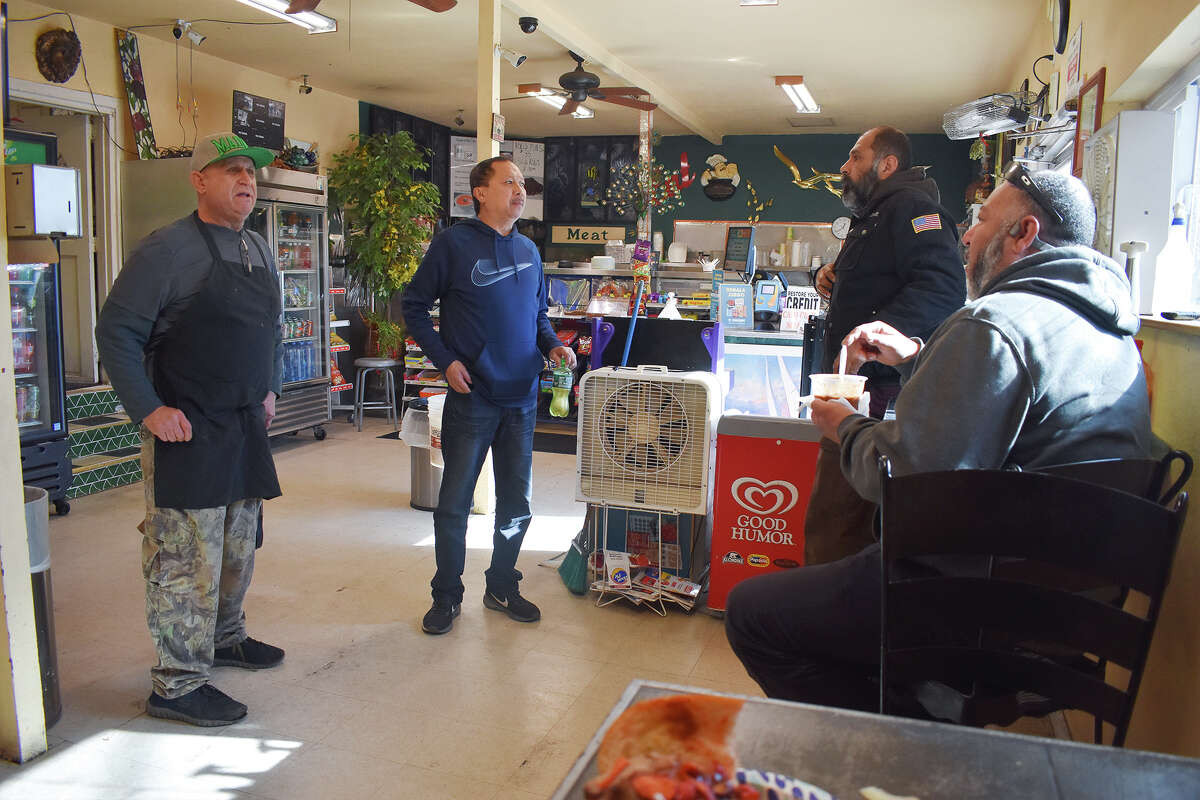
x: 900, y: 264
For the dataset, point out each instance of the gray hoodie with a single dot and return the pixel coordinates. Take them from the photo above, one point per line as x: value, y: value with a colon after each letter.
x: 1040, y: 370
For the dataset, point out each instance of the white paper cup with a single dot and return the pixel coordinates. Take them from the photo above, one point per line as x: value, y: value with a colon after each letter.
x: 834, y: 386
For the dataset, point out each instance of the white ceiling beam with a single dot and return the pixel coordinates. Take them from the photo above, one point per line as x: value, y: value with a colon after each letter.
x: 559, y: 27
x: 487, y: 87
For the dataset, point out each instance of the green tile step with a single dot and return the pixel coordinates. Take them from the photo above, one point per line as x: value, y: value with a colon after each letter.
x: 97, y: 475
x: 91, y: 401
x: 102, y: 437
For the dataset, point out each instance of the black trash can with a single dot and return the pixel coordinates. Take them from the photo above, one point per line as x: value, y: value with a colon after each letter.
x: 37, y: 530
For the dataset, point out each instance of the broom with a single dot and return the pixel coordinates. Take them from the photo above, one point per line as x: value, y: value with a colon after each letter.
x: 573, y: 569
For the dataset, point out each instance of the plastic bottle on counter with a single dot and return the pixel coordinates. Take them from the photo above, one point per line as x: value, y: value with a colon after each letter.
x: 1173, y: 268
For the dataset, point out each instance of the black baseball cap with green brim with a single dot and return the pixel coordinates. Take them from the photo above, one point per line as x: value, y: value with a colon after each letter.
x: 219, y: 146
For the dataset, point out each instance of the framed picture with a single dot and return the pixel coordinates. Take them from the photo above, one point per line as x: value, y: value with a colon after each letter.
x: 1091, y: 106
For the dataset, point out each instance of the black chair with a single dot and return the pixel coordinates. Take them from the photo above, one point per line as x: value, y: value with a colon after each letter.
x: 1144, y: 477
x: 967, y: 641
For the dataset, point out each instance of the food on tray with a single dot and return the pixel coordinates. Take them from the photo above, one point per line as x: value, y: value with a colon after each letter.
x: 676, y: 748
x: 669, y: 747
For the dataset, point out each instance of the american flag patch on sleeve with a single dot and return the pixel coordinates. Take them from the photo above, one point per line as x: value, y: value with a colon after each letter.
x: 929, y: 222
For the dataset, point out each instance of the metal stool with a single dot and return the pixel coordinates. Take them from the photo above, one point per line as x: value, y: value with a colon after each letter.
x: 365, y: 367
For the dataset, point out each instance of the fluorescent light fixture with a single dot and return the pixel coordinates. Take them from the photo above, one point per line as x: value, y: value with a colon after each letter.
x: 558, y: 101
x: 758, y: 2
x: 309, y: 20
x: 793, y: 86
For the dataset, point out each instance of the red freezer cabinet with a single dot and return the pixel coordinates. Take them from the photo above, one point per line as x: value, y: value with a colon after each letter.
x: 764, y: 475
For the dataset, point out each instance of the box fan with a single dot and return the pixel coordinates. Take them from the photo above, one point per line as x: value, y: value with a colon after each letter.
x: 646, y: 438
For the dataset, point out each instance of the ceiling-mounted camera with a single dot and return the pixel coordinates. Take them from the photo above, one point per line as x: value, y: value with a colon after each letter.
x: 458, y: 118
x: 182, y: 26
x: 528, y: 24
x: 177, y: 31
x: 305, y: 88
x: 511, y: 56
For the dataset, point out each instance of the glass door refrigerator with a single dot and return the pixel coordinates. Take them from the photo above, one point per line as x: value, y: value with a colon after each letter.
x: 41, y: 397
x: 291, y: 216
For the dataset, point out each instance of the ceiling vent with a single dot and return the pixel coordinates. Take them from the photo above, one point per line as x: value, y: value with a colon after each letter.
x: 810, y: 121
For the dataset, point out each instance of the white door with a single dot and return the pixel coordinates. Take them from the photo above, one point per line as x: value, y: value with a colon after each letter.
x: 78, y: 256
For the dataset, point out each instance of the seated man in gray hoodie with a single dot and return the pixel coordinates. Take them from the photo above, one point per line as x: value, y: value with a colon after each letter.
x: 1038, y: 368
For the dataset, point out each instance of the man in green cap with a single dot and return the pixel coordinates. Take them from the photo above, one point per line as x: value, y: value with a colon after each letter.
x: 190, y: 337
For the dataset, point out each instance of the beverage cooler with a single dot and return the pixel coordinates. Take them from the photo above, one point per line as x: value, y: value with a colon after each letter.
x: 38, y: 359
x: 291, y: 216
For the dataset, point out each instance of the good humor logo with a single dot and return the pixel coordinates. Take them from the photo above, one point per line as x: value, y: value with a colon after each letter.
x: 765, y: 502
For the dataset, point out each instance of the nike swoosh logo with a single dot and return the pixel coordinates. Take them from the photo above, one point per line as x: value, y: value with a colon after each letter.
x: 503, y: 602
x: 486, y: 272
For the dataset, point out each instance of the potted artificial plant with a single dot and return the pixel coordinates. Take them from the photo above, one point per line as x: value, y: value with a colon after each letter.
x: 389, y: 215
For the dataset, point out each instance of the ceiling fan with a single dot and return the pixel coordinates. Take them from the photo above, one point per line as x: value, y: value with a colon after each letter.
x: 579, y: 85
x: 296, y: 6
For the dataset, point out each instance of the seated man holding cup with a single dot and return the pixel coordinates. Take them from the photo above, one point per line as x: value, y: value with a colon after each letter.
x: 1038, y: 368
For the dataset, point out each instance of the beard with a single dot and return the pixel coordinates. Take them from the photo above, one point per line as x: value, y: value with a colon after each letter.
x: 856, y: 193
x: 984, y: 268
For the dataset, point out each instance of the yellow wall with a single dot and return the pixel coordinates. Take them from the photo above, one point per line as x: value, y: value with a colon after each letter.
x: 1117, y: 35
x: 322, y: 117
x: 1168, y: 705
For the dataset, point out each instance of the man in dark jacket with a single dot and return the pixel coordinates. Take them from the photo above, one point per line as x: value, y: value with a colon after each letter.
x: 1039, y: 368
x: 900, y: 265
x: 493, y: 336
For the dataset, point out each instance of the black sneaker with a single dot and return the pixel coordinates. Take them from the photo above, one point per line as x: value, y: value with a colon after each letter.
x: 207, y: 706
x: 440, y: 618
x: 513, y: 604
x: 248, y: 654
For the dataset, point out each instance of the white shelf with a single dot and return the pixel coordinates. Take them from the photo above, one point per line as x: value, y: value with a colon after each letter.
x: 426, y: 383
x: 24, y: 375
x: 299, y: 308
x: 339, y: 323
x: 300, y: 339
x: 24, y: 330
x: 21, y: 283
x: 289, y: 240
x: 309, y: 271
x: 29, y: 424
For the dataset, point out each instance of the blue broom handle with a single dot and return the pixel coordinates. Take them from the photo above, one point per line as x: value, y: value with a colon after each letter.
x: 637, y: 307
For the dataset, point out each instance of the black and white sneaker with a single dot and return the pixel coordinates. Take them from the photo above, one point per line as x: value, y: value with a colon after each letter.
x: 512, y: 604
x: 206, y: 706
x: 440, y: 618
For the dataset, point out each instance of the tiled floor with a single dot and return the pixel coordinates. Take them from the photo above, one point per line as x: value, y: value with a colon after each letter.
x: 365, y: 706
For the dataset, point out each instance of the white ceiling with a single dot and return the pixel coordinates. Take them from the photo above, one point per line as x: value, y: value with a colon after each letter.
x: 711, y: 62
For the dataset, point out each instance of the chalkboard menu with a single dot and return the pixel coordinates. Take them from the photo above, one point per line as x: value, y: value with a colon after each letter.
x: 258, y: 120
x: 738, y: 244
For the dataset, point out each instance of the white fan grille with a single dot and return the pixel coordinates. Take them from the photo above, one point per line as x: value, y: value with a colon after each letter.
x: 645, y: 439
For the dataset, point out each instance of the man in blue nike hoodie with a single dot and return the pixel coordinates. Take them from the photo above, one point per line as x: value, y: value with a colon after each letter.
x: 493, y: 335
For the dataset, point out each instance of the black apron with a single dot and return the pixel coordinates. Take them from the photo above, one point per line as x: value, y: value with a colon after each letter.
x: 214, y: 364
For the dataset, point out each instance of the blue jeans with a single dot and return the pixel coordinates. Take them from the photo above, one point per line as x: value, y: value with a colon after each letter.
x: 471, y: 425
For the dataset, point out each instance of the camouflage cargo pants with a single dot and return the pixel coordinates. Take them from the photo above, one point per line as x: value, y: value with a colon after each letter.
x: 197, y: 563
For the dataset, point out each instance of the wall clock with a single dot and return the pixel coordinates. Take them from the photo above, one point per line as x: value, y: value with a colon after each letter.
x: 1060, y: 16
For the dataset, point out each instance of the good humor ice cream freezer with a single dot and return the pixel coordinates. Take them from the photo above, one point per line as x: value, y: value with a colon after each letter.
x: 764, y: 474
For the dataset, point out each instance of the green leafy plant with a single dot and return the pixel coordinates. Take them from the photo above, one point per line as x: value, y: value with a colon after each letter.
x: 389, y: 336
x: 388, y: 213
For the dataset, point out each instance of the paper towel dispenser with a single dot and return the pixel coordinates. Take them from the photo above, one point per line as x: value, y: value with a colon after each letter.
x: 42, y: 200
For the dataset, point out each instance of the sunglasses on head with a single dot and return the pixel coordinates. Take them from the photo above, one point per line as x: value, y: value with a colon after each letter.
x: 1018, y: 176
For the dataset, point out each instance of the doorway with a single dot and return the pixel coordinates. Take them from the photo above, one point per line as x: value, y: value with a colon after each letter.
x: 89, y: 264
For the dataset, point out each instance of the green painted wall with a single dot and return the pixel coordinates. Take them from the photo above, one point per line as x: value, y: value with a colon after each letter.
x: 950, y: 167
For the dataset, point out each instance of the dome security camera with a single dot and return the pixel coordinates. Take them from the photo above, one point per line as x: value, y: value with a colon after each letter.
x: 528, y: 24
x: 177, y: 31
x: 458, y: 118
x: 304, y: 87
x: 511, y: 56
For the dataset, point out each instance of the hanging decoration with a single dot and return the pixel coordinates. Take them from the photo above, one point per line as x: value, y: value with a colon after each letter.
x: 636, y: 187
x: 826, y: 179
x: 135, y: 92
x: 721, y: 179
x: 685, y: 177
x: 57, y: 53
x: 756, y: 206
